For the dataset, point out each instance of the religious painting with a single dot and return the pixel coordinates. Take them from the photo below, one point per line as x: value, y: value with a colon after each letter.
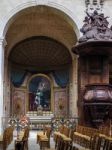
x: 19, y: 97
x: 61, y: 102
x: 40, y: 93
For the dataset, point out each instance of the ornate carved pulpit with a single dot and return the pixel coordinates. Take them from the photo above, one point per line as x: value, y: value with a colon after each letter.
x: 94, y: 49
x: 97, y: 103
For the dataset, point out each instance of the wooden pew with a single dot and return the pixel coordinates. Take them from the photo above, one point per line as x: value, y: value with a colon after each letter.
x: 6, y: 138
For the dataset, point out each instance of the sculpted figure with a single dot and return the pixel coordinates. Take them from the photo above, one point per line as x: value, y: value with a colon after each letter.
x: 95, y: 28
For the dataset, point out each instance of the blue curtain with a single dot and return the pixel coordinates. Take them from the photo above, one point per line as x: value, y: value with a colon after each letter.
x: 17, y: 77
x: 61, y: 77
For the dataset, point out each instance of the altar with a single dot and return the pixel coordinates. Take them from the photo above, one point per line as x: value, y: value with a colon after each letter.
x: 37, y: 122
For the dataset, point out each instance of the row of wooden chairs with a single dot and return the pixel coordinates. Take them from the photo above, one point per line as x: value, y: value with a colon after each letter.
x: 21, y: 143
x: 84, y: 138
x: 90, y: 131
x: 105, y: 130
x: 82, y: 135
x: 63, y: 138
x: 43, y: 138
x: 91, y: 138
x: 96, y: 143
x: 6, y: 138
x: 64, y: 143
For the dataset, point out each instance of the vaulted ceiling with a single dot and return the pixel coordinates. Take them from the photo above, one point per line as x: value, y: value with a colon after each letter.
x: 40, y: 53
x: 40, y: 21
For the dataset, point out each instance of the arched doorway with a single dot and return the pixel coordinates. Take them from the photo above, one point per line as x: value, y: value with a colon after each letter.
x: 39, y: 30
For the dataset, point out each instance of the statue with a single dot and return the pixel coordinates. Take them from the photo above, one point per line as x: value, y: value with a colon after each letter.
x: 37, y: 97
x: 95, y: 28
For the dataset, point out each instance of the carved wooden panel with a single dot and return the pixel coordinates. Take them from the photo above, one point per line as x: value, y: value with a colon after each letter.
x: 18, y: 102
x: 61, y: 102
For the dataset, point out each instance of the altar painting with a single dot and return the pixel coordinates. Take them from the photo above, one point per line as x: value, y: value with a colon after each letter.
x: 39, y: 93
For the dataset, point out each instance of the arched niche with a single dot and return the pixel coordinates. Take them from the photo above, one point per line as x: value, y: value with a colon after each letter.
x: 64, y: 30
x: 40, y: 93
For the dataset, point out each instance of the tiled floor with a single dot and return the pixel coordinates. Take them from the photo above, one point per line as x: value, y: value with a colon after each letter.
x: 32, y: 142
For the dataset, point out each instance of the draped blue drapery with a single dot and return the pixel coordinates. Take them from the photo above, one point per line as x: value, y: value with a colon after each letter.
x: 61, y: 77
x: 17, y: 77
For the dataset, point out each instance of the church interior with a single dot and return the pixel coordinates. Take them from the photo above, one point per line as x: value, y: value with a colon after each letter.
x: 56, y: 76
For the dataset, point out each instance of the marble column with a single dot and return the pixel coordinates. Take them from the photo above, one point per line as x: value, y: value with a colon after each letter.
x: 2, y: 44
x: 74, y: 89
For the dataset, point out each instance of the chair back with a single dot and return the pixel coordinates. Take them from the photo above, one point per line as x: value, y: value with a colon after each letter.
x: 26, y: 134
x: 48, y: 132
x: 66, y: 131
x: 95, y: 142
x: 71, y: 133
x: 61, y: 129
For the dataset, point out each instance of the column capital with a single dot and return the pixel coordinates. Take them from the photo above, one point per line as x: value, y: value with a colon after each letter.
x: 3, y: 41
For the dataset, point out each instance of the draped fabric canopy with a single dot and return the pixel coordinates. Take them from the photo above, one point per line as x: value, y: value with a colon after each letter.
x: 61, y: 77
x: 18, y: 77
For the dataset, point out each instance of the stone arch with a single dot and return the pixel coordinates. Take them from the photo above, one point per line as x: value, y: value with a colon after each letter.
x: 8, y: 19
x: 71, y: 19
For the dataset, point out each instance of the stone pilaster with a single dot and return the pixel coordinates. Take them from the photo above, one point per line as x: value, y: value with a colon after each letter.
x: 2, y: 45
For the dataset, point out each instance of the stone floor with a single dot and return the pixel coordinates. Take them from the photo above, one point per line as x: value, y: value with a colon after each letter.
x: 32, y: 142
